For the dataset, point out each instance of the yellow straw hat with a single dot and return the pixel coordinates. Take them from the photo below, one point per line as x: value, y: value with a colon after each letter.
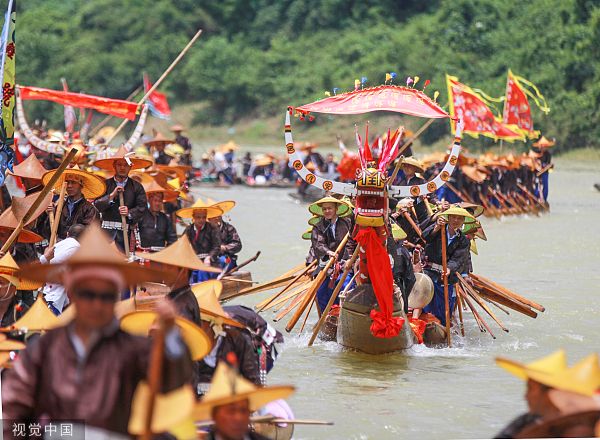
x: 8, y: 269
x: 556, y: 361
x: 317, y: 209
x: 211, y: 211
x: 170, y: 409
x: 227, y: 387
x: 38, y: 318
x: 397, y: 232
x: 210, y: 307
x: 93, y: 186
x: 215, y: 285
x: 179, y: 254
x: 159, y: 139
x: 136, y: 162
x: 455, y: 210
x: 473, y: 208
x: 413, y: 162
x: 94, y: 251
x: 581, y: 378
x: 225, y: 206
x: 543, y: 142
x: 141, y: 322
x: 168, y: 194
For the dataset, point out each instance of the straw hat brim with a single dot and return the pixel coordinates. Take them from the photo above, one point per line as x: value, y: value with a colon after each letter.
x: 188, y: 213
x: 314, y: 220
x: 93, y: 186
x: 457, y: 211
x: 184, y: 263
x: 562, y: 382
x: 307, y: 235
x: 170, y: 409
x: 225, y: 206
x: 477, y: 209
x: 257, y: 399
x: 140, y: 323
x: 25, y: 236
x: 316, y: 208
x: 136, y: 163
x: 212, y: 309
x: 517, y: 369
x: 168, y: 195
x: 132, y: 273
x: 413, y: 162
x: 216, y: 286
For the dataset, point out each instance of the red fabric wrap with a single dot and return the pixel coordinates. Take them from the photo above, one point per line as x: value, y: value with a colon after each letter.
x: 380, y: 273
x: 114, y: 107
x: 418, y: 327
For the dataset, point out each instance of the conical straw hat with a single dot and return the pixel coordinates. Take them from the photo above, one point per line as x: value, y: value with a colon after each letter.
x: 543, y: 142
x: 179, y: 254
x: 94, y: 250
x: 209, y: 304
x: 38, y: 318
x: 556, y: 361
x: 141, y: 322
x: 581, y: 378
x: 170, y: 409
x: 477, y: 210
x: 200, y: 204
x: 227, y: 387
x: 136, y: 162
x: 8, y: 268
x: 159, y: 138
x: 177, y: 127
x: 455, y: 210
x: 414, y: 162
x: 93, y: 186
x: 30, y: 168
x: 9, y: 219
x: 225, y: 206
x: 168, y: 194
x: 316, y: 207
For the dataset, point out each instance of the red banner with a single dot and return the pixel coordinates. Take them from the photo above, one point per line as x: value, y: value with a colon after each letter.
x: 159, y: 106
x: 516, y: 107
x: 468, y: 106
x: 114, y: 107
x: 383, y: 98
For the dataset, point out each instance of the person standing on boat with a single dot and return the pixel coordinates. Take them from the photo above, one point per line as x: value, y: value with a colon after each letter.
x: 410, y: 167
x: 156, y: 228
x: 457, y: 251
x: 204, y: 236
x: 184, y: 141
x: 325, y: 238
x: 134, y: 196
x: 231, y: 244
x: 542, y: 150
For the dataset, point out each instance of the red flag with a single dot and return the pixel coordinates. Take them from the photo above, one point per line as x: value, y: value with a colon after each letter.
x: 468, y: 106
x: 115, y: 107
x: 70, y: 118
x: 517, y: 110
x: 157, y: 102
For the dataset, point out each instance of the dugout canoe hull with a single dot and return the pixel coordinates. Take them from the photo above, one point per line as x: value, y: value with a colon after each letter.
x: 353, y: 329
x: 232, y: 287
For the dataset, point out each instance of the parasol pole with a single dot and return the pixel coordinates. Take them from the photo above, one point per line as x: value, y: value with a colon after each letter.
x: 408, y: 144
x: 56, y: 220
x: 159, y: 81
x: 445, y: 278
x: 41, y: 195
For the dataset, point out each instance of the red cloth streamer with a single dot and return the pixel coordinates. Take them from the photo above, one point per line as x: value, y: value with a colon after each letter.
x: 380, y: 273
x: 114, y: 107
x: 390, y: 98
x: 418, y: 327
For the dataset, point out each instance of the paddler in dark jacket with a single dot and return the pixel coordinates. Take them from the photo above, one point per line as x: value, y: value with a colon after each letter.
x: 457, y: 252
x: 231, y: 244
x: 410, y: 167
x: 134, y: 196
x: 326, y: 236
x: 156, y: 228
x: 94, y: 379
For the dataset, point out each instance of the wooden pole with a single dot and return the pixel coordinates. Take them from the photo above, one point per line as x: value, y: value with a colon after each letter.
x: 159, y: 81
x: 460, y: 315
x: 245, y: 263
x: 412, y: 223
x: 290, y: 284
x: 124, y: 226
x: 154, y: 378
x: 445, y: 278
x: 406, y: 145
x: 333, y: 297
x: 470, y: 291
x: 41, y: 195
x: 57, y: 215
x: 316, y: 284
x: 512, y: 294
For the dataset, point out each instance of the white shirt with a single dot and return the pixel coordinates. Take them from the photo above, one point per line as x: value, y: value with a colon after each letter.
x: 56, y: 292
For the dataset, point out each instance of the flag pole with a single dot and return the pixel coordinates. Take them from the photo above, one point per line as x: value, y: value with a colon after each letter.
x: 160, y: 80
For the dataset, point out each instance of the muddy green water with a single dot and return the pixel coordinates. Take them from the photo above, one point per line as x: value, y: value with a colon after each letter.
x: 440, y: 393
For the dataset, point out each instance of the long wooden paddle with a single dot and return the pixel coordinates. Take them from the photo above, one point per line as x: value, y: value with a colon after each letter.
x: 445, y: 279
x: 124, y: 225
x: 55, y: 223
x: 239, y: 266
x: 290, y: 284
x: 334, y: 296
x: 154, y: 377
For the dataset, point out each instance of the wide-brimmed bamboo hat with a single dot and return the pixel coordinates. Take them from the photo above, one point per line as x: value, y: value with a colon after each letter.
x: 210, y: 308
x: 413, y: 162
x: 473, y: 208
x: 159, y: 139
x: 543, y: 142
x: 227, y: 387
x: 229, y: 146
x: 9, y: 219
x: 397, y: 232
x: 553, y: 362
x: 177, y: 127
x: 8, y: 270
x: 141, y: 322
x: 93, y: 186
x: 211, y: 210
x: 179, y: 254
x: 582, y: 378
x: 152, y: 188
x: 316, y: 208
x: 30, y: 168
x: 421, y: 293
x: 455, y: 210
x: 95, y: 251
x: 136, y: 163
x: 38, y: 318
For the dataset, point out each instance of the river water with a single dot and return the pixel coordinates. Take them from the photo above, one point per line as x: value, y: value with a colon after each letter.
x: 455, y: 392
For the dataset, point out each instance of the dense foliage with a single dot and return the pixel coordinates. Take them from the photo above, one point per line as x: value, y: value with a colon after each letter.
x: 257, y: 56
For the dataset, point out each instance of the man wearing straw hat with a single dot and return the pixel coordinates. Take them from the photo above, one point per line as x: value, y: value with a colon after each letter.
x: 134, y: 197
x: 156, y: 228
x: 93, y: 379
x: 184, y: 141
x: 80, y: 187
x: 231, y: 400
x: 231, y: 244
